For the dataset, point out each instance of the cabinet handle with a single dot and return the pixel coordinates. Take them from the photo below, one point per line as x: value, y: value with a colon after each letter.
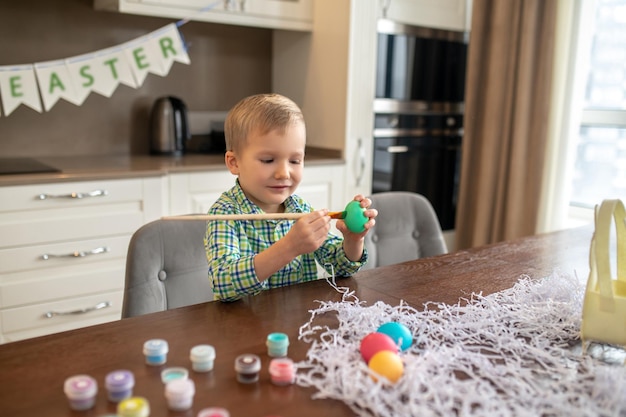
x: 77, y: 196
x: 385, y: 6
x: 99, y: 306
x: 361, y: 162
x: 77, y: 254
x: 397, y: 149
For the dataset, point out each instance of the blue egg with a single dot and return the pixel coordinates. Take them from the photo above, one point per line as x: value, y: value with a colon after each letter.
x: 398, y: 332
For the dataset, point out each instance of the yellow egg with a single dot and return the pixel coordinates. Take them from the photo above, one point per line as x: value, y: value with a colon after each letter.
x: 388, y: 364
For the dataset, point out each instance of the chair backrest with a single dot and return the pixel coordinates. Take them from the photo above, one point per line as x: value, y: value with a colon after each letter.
x: 166, y: 267
x: 406, y: 228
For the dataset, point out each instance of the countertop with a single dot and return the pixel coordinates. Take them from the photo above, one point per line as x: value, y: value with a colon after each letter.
x: 89, y: 168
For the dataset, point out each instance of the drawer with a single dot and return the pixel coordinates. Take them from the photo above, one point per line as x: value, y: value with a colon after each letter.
x: 72, y: 194
x: 61, y: 283
x: 67, y: 254
x: 24, y: 322
x: 63, y: 225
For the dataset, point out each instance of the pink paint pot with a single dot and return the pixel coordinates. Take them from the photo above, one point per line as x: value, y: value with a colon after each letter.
x: 81, y: 392
x: 282, y: 371
x: 119, y: 385
x: 179, y: 394
x: 214, y: 412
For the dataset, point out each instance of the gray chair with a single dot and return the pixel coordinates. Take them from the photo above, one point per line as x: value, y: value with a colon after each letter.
x: 166, y: 267
x: 406, y: 228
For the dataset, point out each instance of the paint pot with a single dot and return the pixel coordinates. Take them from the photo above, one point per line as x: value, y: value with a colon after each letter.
x: 133, y: 407
x: 202, y: 357
x: 179, y: 394
x: 247, y: 367
x: 81, y: 391
x: 277, y: 344
x: 155, y: 351
x: 170, y: 374
x: 282, y: 371
x: 214, y: 412
x: 119, y: 385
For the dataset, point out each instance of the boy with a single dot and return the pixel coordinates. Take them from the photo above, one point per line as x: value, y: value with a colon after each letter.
x: 265, y: 141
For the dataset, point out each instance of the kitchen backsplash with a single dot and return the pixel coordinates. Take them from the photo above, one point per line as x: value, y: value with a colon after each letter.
x: 227, y: 63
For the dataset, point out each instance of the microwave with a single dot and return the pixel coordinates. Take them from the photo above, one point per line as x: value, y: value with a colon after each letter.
x: 420, y: 65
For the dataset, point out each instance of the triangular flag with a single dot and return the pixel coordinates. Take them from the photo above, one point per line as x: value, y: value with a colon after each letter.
x: 79, y: 68
x: 18, y: 86
x: 155, y: 52
x: 55, y: 82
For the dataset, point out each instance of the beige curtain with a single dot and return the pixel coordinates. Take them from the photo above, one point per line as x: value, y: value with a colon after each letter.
x: 506, y: 119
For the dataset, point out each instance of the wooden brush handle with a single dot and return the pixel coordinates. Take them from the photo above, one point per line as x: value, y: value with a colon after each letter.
x: 249, y: 216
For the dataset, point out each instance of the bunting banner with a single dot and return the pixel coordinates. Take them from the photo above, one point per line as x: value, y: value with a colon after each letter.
x: 41, y: 85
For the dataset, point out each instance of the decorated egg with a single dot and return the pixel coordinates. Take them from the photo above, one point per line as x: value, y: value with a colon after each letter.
x: 398, y: 332
x: 387, y: 364
x: 354, y: 217
x: 376, y: 342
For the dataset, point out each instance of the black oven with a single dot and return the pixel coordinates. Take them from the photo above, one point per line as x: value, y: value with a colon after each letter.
x: 418, y: 120
x: 420, y: 153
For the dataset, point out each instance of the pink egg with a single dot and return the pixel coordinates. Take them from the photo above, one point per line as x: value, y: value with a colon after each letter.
x: 374, y: 343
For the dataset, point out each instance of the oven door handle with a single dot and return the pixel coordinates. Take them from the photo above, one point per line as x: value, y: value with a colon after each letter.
x: 397, y: 149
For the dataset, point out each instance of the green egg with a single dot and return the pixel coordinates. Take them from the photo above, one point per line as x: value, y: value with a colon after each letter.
x: 354, y: 216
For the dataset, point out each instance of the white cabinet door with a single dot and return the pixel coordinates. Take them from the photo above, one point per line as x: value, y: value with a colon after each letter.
x: 442, y: 14
x: 63, y: 251
x: 274, y: 14
x: 331, y: 75
x: 194, y: 193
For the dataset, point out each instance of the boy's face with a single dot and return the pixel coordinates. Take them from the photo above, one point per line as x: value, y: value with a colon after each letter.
x: 270, y: 166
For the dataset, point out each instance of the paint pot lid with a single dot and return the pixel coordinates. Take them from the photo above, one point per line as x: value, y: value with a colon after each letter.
x: 247, y: 363
x: 202, y: 353
x: 80, y: 387
x: 119, y: 380
x: 155, y: 347
x: 171, y: 374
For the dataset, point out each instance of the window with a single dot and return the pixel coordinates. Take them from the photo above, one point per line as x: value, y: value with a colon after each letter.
x: 600, y: 161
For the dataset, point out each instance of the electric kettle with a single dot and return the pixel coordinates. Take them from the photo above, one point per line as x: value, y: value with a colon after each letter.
x: 169, y: 126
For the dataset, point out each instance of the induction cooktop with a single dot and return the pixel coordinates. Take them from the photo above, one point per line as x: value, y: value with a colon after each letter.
x: 24, y: 166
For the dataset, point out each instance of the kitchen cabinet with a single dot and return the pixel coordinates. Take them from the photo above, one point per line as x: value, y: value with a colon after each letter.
x: 441, y: 14
x: 63, y: 251
x: 330, y: 73
x: 274, y: 14
x: 194, y: 193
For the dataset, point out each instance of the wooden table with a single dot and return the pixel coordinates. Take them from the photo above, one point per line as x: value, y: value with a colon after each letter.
x: 32, y: 372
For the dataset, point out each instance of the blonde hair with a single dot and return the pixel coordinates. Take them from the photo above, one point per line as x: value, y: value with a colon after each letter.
x: 262, y: 113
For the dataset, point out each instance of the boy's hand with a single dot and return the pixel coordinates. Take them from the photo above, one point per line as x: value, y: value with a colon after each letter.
x: 353, y: 242
x: 309, y: 233
x: 369, y: 213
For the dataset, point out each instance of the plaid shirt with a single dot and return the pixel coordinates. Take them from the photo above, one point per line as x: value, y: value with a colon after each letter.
x: 231, y: 246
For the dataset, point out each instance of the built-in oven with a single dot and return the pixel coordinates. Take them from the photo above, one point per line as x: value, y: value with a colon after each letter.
x: 420, y: 153
x: 418, y: 120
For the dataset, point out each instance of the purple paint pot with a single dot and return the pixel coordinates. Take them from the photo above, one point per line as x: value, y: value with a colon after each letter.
x: 81, y: 391
x: 282, y: 371
x: 133, y: 407
x: 179, y: 394
x: 202, y: 357
x: 247, y: 367
x: 214, y: 412
x: 277, y: 344
x: 155, y: 351
x: 119, y: 385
